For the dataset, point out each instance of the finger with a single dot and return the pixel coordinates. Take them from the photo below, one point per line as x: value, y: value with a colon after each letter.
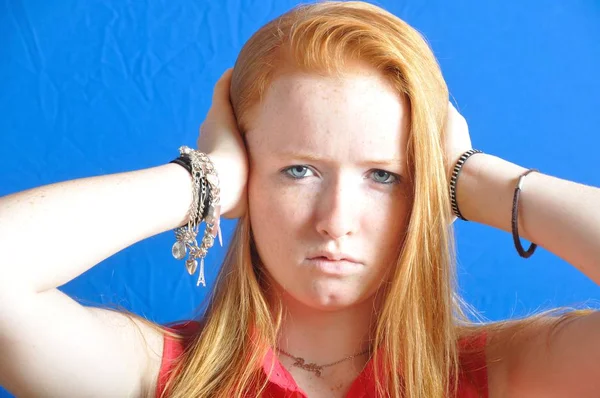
x: 452, y: 111
x: 221, y: 90
x: 454, y: 114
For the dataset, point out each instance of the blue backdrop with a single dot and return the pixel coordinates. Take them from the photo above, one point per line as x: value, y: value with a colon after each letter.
x: 96, y: 87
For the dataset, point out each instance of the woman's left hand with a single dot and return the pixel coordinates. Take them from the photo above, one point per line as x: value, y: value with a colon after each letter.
x: 458, y: 140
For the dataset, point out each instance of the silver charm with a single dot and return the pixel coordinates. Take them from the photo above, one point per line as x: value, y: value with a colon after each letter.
x: 179, y: 250
x: 209, y: 240
x: 201, y: 279
x: 191, y: 264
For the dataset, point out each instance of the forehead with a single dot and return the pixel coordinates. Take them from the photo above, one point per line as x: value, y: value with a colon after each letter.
x: 354, y: 116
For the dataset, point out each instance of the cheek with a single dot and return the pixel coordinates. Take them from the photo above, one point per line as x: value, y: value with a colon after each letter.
x: 277, y: 216
x: 388, y: 226
x: 279, y: 222
x: 270, y: 200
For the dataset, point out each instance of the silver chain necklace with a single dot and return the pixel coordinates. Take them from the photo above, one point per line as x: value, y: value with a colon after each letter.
x: 313, y: 367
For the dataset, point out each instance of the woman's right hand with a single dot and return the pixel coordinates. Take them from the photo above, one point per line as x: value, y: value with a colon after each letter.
x: 221, y: 140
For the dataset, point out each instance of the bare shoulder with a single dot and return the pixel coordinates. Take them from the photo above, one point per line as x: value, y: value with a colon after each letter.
x: 546, y: 358
x: 53, y: 346
x: 149, y: 341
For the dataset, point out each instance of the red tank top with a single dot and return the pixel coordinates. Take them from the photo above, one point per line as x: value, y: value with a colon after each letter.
x: 472, y: 380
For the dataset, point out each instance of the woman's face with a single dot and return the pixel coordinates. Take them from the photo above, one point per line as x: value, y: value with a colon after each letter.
x: 328, y: 194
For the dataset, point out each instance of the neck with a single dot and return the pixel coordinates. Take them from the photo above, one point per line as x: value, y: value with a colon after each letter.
x: 321, y: 336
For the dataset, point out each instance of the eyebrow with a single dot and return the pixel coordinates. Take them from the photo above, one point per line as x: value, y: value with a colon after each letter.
x: 312, y: 158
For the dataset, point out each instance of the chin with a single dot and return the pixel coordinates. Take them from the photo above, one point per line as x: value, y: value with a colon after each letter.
x: 324, y: 297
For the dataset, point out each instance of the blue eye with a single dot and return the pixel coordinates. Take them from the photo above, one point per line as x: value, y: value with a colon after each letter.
x: 384, y: 177
x: 296, y: 172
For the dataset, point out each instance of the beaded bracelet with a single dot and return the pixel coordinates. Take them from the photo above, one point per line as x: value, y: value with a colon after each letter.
x: 454, y: 178
x: 515, y: 206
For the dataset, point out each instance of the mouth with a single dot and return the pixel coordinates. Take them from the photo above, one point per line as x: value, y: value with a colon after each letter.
x: 334, y: 267
x: 333, y: 256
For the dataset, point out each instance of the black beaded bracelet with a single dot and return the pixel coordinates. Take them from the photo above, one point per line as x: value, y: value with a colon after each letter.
x: 454, y: 178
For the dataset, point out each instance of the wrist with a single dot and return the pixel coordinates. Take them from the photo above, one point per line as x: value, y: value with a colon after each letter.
x: 230, y: 182
x: 180, y: 177
x: 485, y: 190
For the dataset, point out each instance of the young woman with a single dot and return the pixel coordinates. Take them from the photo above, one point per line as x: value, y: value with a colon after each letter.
x: 334, y: 143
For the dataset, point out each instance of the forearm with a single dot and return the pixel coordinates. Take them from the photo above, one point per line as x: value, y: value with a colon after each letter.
x: 559, y: 215
x: 51, y: 234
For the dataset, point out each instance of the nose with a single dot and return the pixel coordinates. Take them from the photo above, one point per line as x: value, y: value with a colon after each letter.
x: 337, y: 209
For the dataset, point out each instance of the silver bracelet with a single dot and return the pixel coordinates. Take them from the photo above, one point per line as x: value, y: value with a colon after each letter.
x: 204, y: 200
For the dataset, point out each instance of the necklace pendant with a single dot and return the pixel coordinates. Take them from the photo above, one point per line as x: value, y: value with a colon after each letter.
x: 311, y: 367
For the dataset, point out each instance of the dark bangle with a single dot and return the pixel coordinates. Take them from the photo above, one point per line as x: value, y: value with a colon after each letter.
x: 454, y: 178
x: 206, y: 201
x: 515, y: 219
x: 185, y: 162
